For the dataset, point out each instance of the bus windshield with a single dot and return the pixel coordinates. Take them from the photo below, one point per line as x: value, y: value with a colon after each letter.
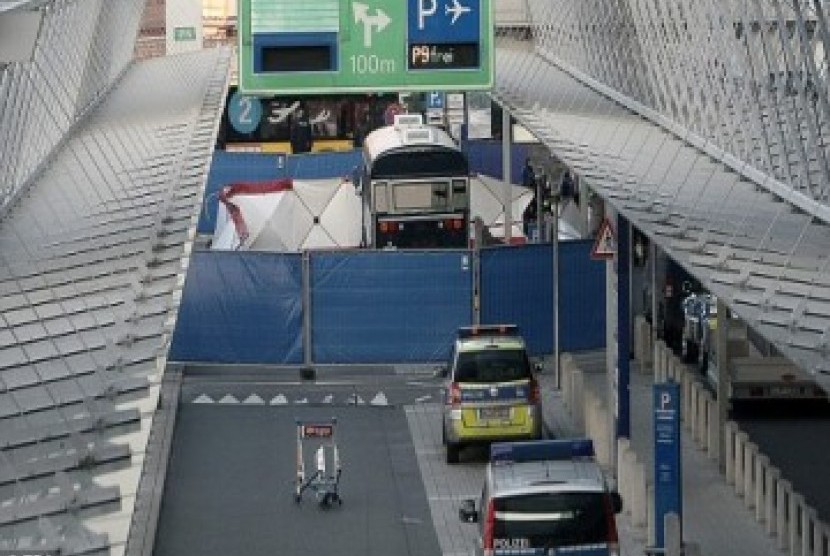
x: 421, y: 195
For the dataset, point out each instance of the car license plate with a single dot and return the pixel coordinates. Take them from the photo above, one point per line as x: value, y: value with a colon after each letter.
x: 494, y: 413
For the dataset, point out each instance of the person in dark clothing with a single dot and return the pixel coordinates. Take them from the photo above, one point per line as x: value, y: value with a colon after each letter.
x: 529, y: 217
x: 528, y: 176
x: 361, y: 131
x: 529, y: 180
x: 301, y: 140
x: 568, y: 189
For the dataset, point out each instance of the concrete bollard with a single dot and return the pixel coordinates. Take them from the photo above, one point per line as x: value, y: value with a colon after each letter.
x: 750, y: 455
x: 602, y: 444
x: 651, y: 536
x: 671, y: 534
x: 809, y: 525
x: 687, y: 413
x: 702, y: 414
x: 761, y: 465
x: 659, y: 361
x: 565, y: 370
x: 796, y: 512
x: 821, y: 539
x: 596, y: 427
x: 640, y: 345
x: 648, y: 362
x: 771, y: 479
x: 639, y: 504
x: 782, y: 524
x: 740, y: 453
x: 624, y: 472
x: 713, y: 432
x: 692, y: 420
x: 589, y: 413
x: 730, y: 431
x: 578, y: 386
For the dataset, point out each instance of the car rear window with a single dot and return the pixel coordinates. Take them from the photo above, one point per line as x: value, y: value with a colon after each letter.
x: 495, y: 365
x: 550, y: 520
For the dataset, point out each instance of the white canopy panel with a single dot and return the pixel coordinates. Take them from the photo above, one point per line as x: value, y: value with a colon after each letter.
x: 92, y: 262
x: 765, y: 255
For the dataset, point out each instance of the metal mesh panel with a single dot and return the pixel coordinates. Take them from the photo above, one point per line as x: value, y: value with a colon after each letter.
x: 706, y: 124
x: 750, y: 76
x: 112, y: 158
x: 83, y: 46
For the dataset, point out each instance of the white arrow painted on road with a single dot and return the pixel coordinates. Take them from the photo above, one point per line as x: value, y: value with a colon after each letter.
x: 228, y: 399
x: 361, y: 15
x: 279, y: 399
x: 204, y: 398
x: 301, y: 401
x: 253, y: 399
x: 328, y: 399
x: 379, y: 399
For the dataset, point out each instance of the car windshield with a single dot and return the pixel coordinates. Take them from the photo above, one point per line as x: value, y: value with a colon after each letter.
x: 495, y: 365
x: 550, y: 520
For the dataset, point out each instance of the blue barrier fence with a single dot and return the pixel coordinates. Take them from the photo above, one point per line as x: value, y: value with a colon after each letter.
x: 486, y: 158
x: 386, y: 307
x: 517, y: 287
x: 241, y: 308
x: 381, y: 306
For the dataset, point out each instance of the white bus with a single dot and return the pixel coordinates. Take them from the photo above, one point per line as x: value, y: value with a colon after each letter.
x: 415, y: 187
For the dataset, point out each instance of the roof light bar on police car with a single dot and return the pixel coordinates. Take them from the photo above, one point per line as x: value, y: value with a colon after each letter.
x: 541, y: 450
x: 488, y: 330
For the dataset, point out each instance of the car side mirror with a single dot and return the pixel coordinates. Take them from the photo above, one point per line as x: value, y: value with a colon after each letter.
x: 537, y: 367
x: 441, y: 372
x: 467, y: 512
x: 616, y: 502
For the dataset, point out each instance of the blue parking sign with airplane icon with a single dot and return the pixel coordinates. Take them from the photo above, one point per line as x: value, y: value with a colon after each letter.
x: 444, y: 21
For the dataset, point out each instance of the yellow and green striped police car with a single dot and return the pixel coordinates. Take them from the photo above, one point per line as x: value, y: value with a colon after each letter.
x: 491, y: 391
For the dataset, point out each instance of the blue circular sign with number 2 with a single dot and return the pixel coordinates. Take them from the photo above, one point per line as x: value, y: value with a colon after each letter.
x: 244, y: 112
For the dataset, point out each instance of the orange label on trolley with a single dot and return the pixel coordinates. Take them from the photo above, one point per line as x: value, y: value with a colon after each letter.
x: 318, y: 431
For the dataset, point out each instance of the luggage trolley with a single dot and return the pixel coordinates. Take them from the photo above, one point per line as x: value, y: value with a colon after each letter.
x: 323, y: 484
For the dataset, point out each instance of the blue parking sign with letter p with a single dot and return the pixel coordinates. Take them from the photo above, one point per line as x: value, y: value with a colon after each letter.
x: 444, y: 21
x: 436, y: 99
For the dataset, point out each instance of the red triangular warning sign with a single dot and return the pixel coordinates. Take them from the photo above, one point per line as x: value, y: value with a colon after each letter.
x: 605, y: 246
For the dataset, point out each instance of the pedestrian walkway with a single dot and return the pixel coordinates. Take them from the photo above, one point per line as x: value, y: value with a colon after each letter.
x: 713, y: 516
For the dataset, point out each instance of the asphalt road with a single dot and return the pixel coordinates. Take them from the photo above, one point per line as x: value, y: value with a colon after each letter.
x: 798, y: 447
x: 230, y: 482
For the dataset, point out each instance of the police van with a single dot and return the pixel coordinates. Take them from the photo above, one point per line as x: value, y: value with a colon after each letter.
x: 491, y: 389
x: 545, y: 498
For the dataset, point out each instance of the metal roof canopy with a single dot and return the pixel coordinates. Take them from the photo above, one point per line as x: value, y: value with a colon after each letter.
x: 91, y: 259
x: 763, y: 254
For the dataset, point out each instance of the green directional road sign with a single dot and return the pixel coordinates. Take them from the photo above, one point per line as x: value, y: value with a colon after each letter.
x: 184, y: 33
x: 348, y: 46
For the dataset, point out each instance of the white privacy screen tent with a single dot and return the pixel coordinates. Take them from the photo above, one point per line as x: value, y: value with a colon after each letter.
x: 293, y: 215
x: 288, y: 215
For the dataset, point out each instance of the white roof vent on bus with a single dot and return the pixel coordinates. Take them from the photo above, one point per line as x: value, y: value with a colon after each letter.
x: 417, y: 136
x: 405, y: 120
